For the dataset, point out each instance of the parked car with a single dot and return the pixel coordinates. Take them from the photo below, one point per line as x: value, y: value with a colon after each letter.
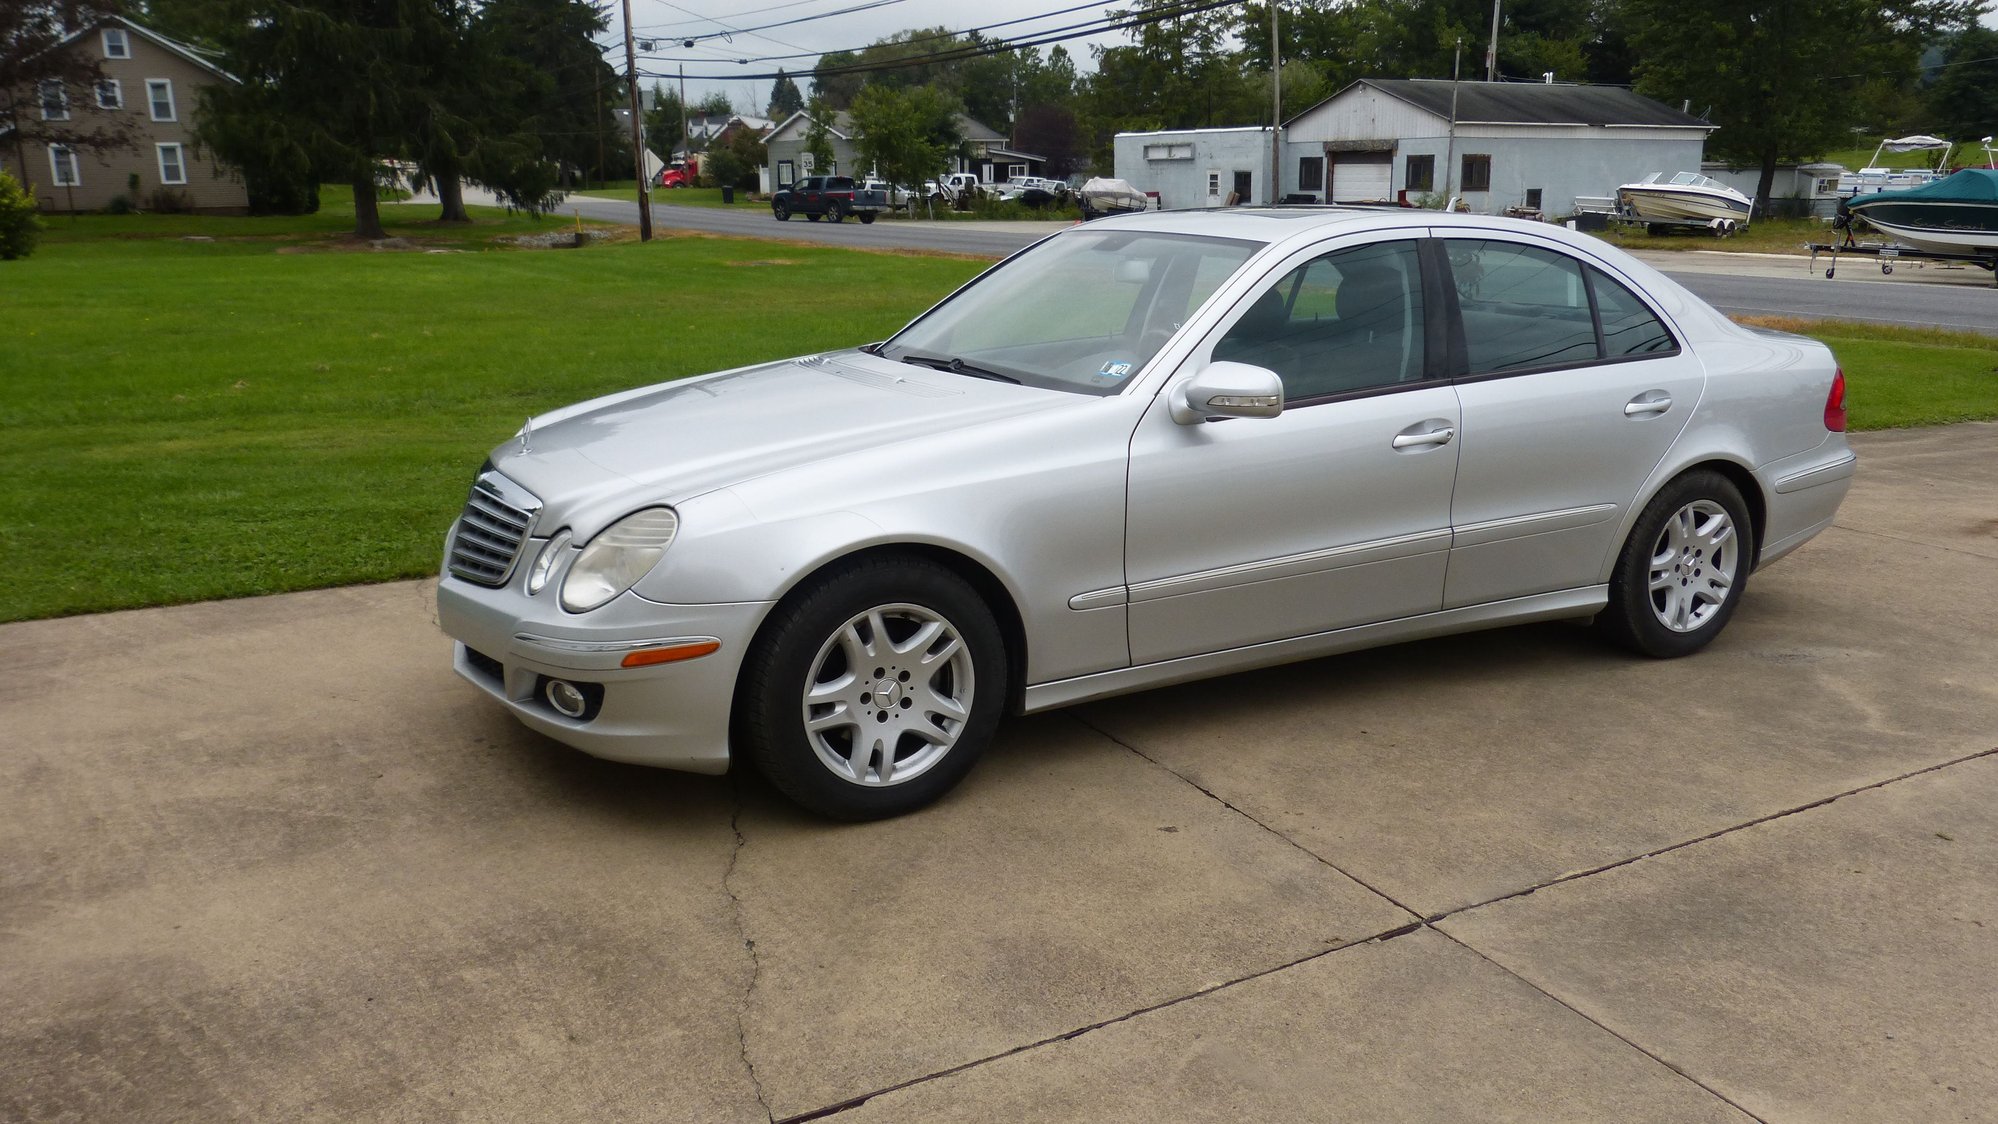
x: 829, y: 197
x: 959, y: 188
x: 897, y: 197
x: 1146, y: 450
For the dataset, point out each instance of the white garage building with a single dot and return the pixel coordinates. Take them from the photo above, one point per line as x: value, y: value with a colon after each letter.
x: 1534, y: 146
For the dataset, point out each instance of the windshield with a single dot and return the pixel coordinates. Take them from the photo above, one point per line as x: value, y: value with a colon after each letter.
x: 1082, y: 312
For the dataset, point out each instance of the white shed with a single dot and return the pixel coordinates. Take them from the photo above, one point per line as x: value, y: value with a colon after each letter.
x: 1197, y: 167
x: 1498, y: 145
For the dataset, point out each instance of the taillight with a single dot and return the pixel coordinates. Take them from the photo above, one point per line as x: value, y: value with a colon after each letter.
x: 1835, y: 403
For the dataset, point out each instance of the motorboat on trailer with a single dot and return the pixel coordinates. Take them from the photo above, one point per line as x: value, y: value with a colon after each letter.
x: 1957, y: 214
x: 1684, y: 197
x: 1876, y: 177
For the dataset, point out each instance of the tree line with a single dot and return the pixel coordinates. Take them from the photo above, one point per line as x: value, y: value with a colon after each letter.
x: 1783, y: 79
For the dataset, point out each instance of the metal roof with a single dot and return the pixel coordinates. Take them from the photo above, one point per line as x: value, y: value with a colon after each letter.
x: 1527, y: 103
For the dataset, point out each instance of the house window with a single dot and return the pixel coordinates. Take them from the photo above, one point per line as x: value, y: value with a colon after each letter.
x: 1532, y: 198
x: 159, y: 93
x: 1477, y: 172
x: 173, y: 170
x: 1311, y: 173
x: 116, y: 46
x: 63, y: 169
x: 1420, y: 174
x: 1169, y: 152
x: 786, y: 175
x: 1214, y: 185
x: 55, y: 102
x: 1015, y: 170
x: 109, y: 94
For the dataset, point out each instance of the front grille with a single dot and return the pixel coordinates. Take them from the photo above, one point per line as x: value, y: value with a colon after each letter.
x: 494, y: 526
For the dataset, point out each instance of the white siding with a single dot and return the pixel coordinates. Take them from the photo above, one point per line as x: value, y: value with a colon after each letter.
x: 1183, y: 158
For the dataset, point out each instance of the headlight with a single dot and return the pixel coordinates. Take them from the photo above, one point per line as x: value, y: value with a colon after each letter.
x: 621, y: 554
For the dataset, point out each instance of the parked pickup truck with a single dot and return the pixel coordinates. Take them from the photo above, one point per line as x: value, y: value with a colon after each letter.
x: 833, y: 197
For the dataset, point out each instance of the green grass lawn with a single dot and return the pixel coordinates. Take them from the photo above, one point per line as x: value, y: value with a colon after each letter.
x: 191, y: 420
x: 1764, y: 236
x: 1897, y: 377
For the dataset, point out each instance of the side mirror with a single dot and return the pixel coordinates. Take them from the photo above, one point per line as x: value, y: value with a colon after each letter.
x: 1227, y: 390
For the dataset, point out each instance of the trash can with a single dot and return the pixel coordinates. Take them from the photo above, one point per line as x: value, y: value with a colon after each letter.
x: 728, y: 193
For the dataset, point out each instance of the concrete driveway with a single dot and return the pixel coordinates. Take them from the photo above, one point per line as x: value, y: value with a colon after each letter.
x: 267, y: 860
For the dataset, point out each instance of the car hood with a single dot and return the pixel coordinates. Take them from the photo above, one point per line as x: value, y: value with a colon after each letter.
x: 681, y: 439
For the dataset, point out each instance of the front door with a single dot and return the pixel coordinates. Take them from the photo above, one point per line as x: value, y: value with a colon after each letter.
x: 1334, y: 513
x: 1575, y: 390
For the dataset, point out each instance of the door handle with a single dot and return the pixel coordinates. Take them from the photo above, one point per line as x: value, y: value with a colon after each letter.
x: 1649, y: 403
x: 1440, y: 436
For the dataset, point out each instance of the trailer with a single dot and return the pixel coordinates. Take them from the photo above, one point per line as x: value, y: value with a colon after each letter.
x: 1719, y: 228
x: 1888, y: 253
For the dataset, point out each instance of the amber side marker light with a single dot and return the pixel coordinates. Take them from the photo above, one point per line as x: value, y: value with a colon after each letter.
x: 648, y: 656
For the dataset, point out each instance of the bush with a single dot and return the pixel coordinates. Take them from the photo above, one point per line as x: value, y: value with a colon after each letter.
x: 119, y: 205
x: 20, y: 224
x: 164, y: 202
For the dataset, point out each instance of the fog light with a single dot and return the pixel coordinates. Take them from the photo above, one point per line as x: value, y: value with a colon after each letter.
x: 565, y: 698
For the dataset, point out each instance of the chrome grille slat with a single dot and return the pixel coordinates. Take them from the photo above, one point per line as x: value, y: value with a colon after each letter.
x: 492, y: 530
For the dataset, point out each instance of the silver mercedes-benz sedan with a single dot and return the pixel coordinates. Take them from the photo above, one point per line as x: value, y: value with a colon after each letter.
x: 1142, y: 451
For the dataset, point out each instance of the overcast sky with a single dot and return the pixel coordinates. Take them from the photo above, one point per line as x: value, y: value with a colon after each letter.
x: 707, y: 18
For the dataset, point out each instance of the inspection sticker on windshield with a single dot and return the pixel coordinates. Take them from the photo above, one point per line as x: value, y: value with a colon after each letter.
x: 1112, y: 372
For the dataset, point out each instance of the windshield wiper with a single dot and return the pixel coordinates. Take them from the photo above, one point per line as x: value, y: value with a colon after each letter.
x: 957, y: 366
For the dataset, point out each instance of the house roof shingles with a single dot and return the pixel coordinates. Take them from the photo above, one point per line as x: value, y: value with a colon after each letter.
x: 1531, y: 103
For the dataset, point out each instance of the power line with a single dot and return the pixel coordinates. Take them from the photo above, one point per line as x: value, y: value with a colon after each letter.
x: 1044, y: 37
x: 868, y: 5
x: 750, y: 12
x: 917, y: 39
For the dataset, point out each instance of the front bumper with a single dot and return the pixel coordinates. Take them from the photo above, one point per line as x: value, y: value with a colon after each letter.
x: 670, y: 715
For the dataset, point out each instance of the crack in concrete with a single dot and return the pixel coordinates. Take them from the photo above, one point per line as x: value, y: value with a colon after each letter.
x: 1915, y: 542
x: 1196, y: 786
x: 755, y: 961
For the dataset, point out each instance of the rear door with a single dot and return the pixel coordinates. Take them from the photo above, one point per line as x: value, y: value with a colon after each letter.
x: 1573, y: 390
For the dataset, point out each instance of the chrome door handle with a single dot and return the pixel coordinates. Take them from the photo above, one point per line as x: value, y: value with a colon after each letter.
x: 1433, y: 437
x: 1650, y: 402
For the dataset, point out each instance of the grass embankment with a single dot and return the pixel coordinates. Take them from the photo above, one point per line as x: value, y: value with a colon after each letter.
x: 1764, y: 236
x: 986, y: 210
x: 192, y: 420
x: 1897, y: 377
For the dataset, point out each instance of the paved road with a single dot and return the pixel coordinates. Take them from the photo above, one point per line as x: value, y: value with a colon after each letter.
x: 270, y: 860
x: 1962, y: 299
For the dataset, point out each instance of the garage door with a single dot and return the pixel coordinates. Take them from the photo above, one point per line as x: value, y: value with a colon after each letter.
x: 1361, y: 177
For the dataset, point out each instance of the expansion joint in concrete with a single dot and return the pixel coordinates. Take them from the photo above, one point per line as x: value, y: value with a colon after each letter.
x: 1600, y: 1025
x: 1218, y: 799
x: 755, y: 962
x: 1684, y: 843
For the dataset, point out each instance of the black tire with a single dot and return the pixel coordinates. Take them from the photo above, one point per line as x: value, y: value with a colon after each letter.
x: 810, y: 217
x: 798, y: 644
x: 865, y: 217
x: 782, y: 212
x: 835, y: 213
x: 1636, y: 615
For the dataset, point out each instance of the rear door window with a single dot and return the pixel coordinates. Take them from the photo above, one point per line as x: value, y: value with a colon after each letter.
x: 1629, y: 328
x: 1523, y: 307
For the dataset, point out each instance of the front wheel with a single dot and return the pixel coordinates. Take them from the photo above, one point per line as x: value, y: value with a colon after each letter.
x: 1683, y: 569
x: 874, y: 689
x: 782, y: 212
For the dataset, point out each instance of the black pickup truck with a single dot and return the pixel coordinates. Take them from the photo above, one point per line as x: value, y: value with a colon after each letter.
x: 833, y: 197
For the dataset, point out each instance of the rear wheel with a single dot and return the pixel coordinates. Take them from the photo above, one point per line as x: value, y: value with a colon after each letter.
x: 874, y: 689
x: 1683, y: 569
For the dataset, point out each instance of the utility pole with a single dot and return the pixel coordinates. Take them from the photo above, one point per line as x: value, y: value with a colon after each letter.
x: 637, y: 135
x: 1276, y: 108
x: 1491, y: 52
x: 1450, y: 157
x: 686, y: 141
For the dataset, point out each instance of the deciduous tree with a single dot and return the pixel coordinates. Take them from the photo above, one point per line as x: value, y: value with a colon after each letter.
x: 905, y: 135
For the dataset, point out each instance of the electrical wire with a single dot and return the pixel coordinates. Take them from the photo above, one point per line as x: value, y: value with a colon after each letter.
x: 1040, y: 38
x: 916, y: 39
